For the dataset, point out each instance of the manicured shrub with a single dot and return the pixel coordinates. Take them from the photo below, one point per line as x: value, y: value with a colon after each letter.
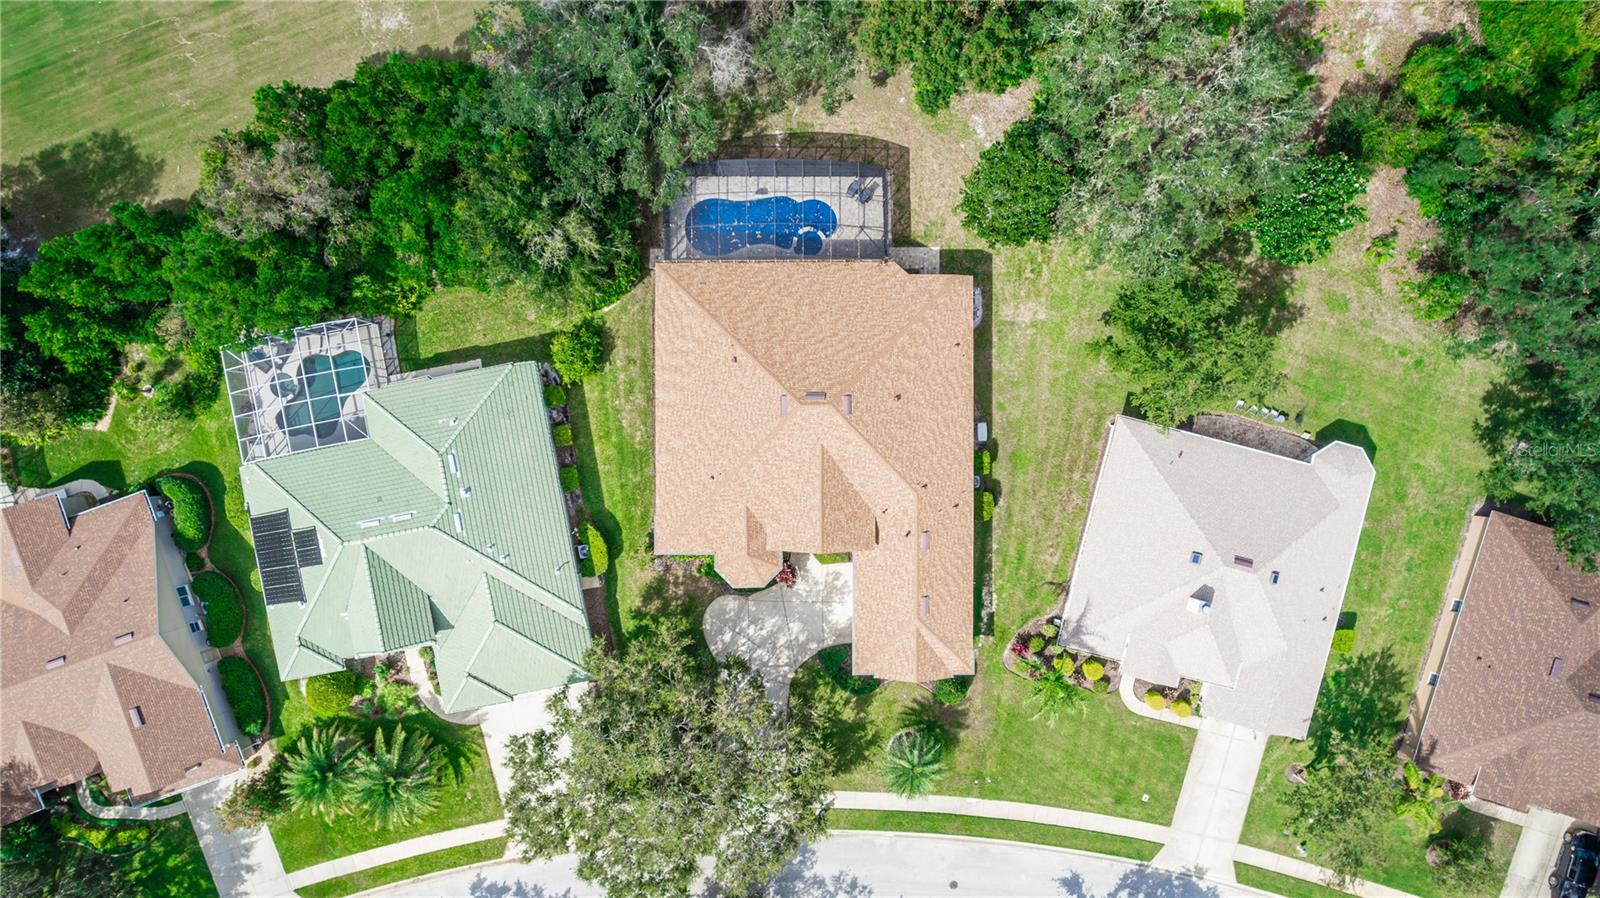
x: 555, y: 396
x: 569, y: 479
x: 1182, y: 708
x: 1156, y: 699
x: 599, y: 555
x: 1050, y: 630
x: 951, y: 690
x: 193, y: 561
x: 332, y: 693
x: 1062, y: 663
x: 191, y: 512
x: 1344, y: 641
x: 224, y: 613
x: 985, y: 505
x: 1035, y: 645
x: 562, y: 434
x: 983, y: 462
x: 1100, y: 687
x: 1093, y: 669
x: 244, y: 693
x: 579, y: 351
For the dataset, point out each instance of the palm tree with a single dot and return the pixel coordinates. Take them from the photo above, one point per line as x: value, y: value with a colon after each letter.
x: 915, y: 762
x: 1055, y: 695
x: 1420, y: 801
x: 399, y: 781
x: 318, y: 774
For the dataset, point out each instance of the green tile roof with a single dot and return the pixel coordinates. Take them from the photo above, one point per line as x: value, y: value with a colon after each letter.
x: 446, y: 525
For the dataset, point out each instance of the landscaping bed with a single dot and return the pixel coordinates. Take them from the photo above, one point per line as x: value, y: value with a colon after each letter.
x: 1182, y: 699
x: 1034, y: 649
x: 224, y: 609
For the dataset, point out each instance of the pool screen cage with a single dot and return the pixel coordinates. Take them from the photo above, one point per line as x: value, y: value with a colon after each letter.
x: 304, y: 391
x: 857, y: 193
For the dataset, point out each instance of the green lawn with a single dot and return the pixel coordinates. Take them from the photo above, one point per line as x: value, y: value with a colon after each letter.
x: 410, y: 868
x: 1362, y: 369
x: 469, y: 797
x: 983, y: 827
x: 1278, y: 884
x: 160, y: 858
x: 162, y: 78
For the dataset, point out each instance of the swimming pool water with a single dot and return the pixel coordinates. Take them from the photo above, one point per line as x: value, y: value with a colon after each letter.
x: 317, y: 404
x: 718, y: 227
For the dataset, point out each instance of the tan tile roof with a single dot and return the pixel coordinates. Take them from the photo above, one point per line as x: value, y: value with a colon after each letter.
x: 1499, y: 718
x: 739, y: 477
x: 72, y: 593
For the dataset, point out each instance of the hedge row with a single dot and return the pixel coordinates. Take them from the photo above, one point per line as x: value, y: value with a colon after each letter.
x: 191, y: 511
x: 224, y: 614
x: 244, y: 693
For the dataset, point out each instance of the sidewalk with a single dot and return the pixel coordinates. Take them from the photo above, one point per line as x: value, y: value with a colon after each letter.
x: 1215, y: 798
x: 1003, y: 810
x: 1288, y: 866
x: 398, y: 851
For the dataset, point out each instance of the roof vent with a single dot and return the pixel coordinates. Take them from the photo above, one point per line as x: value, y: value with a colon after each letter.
x: 1580, y: 604
x: 403, y: 516
x: 55, y: 662
x: 455, y: 465
x: 461, y: 523
x: 816, y: 395
x: 136, y: 716
x: 927, y: 540
x: 124, y: 639
x: 1244, y: 562
x: 849, y: 404
x: 783, y: 404
x: 926, y: 603
x: 370, y: 523
x: 465, y: 491
x: 1555, y: 667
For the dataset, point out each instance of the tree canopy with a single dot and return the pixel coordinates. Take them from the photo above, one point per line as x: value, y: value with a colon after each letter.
x: 671, y: 758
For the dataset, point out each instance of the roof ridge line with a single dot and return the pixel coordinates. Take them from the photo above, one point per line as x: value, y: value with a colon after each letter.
x: 438, y: 456
x: 712, y: 317
x: 466, y: 418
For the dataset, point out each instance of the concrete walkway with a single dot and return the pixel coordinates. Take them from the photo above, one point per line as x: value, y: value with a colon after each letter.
x: 123, y: 812
x: 397, y: 851
x: 243, y: 863
x: 1004, y: 810
x: 1288, y: 866
x: 778, y: 628
x: 863, y: 864
x: 1215, y: 798
x: 1535, y: 857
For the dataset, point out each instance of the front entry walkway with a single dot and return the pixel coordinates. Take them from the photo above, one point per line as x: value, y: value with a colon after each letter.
x: 1214, y: 800
x: 778, y: 628
x: 244, y: 862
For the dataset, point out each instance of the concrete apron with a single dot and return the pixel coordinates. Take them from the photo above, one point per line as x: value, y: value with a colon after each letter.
x: 1535, y: 858
x: 1214, y: 800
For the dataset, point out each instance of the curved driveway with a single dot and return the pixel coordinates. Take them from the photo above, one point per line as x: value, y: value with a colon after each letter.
x: 780, y: 627
x: 859, y: 865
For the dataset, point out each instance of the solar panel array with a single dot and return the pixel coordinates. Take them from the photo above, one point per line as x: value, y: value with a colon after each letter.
x: 275, y: 556
x: 307, y: 550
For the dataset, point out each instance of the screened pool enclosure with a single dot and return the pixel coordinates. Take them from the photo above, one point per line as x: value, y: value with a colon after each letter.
x: 304, y: 391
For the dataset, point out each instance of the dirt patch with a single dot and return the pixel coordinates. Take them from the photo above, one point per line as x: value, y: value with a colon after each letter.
x: 944, y: 148
x: 1370, y: 39
x: 1393, y: 215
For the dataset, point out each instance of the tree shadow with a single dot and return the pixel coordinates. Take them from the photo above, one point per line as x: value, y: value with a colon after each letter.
x: 1143, y: 881
x: 673, y: 599
x: 800, y: 879
x: 837, y: 717
x: 1363, y: 701
x: 1346, y: 431
x: 453, y: 745
x: 926, y: 714
x: 68, y: 186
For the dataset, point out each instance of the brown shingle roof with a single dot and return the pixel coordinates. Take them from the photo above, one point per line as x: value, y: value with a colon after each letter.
x: 71, y: 593
x: 1499, y: 718
x: 748, y: 467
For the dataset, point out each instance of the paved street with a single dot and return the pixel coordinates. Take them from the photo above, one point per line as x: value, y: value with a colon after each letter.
x: 858, y: 865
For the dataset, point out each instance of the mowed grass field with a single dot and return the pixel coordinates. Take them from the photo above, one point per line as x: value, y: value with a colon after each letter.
x: 163, y: 77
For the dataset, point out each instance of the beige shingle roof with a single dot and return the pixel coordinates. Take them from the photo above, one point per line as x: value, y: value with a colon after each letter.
x: 748, y: 467
x: 1175, y: 575
x: 72, y: 593
x: 1503, y: 716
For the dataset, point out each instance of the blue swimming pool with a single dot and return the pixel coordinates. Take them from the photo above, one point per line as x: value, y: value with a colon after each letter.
x: 314, y: 403
x: 718, y: 227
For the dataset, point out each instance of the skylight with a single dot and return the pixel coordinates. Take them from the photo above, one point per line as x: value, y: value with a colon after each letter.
x: 1194, y: 557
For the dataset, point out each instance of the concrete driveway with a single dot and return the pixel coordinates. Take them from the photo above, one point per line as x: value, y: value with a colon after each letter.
x: 1535, y: 858
x: 778, y: 628
x: 523, y: 714
x: 859, y: 865
x: 1214, y: 800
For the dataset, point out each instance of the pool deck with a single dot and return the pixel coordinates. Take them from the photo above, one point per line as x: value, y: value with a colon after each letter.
x: 863, y: 228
